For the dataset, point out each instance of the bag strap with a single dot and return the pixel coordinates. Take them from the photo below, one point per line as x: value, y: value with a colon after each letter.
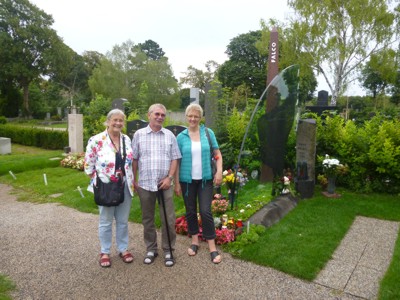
x: 209, y: 142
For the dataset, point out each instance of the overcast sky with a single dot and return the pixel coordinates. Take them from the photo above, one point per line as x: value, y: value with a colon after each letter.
x: 189, y: 32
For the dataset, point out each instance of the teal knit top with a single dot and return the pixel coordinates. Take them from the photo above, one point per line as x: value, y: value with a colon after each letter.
x: 185, y: 146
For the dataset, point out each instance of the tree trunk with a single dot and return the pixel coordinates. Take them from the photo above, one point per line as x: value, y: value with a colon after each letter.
x: 26, y: 111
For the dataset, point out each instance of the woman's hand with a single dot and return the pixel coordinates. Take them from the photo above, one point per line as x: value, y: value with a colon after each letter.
x: 218, y: 178
x: 177, y: 189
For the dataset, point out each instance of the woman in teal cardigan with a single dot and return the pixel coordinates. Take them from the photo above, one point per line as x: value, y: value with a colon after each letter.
x: 194, y: 179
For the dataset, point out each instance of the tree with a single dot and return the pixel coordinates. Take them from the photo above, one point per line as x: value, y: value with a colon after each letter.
x: 27, y: 42
x: 199, y: 78
x: 380, y: 71
x: 246, y: 65
x: 151, y: 49
x: 125, y: 69
x: 337, y: 36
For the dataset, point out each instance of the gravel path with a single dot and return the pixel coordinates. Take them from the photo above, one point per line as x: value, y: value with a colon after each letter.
x: 51, y: 252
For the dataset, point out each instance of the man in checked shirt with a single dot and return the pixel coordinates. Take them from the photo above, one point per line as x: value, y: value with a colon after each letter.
x: 155, y: 156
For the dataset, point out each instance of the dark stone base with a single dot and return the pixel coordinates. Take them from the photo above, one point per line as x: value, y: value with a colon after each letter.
x: 305, y: 188
x: 274, y: 211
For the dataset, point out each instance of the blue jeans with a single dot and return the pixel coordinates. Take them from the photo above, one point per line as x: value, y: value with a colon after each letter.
x: 121, y: 215
x: 204, y: 192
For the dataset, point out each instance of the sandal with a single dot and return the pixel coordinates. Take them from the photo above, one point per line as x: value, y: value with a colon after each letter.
x: 194, y: 248
x: 150, y: 257
x: 104, y: 262
x: 127, y: 257
x: 214, y: 255
x: 168, y: 260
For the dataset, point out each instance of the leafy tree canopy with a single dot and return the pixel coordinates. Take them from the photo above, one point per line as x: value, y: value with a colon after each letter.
x: 27, y: 43
x: 246, y: 65
x: 337, y: 36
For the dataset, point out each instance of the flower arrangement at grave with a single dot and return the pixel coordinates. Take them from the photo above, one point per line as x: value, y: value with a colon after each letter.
x: 282, y: 185
x: 74, y: 161
x: 330, y: 166
x: 229, y: 179
x: 331, y: 169
x: 226, y: 228
x: 219, y: 204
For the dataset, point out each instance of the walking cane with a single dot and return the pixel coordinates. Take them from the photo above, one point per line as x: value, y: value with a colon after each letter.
x: 160, y: 195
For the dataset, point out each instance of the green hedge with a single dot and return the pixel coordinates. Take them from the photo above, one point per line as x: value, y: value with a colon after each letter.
x: 371, y: 150
x: 30, y: 136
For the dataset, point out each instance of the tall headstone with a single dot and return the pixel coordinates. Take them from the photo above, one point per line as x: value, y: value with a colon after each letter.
x: 194, y: 95
x: 211, y: 104
x: 75, y: 132
x: 267, y: 172
x: 273, y: 66
x: 305, y: 157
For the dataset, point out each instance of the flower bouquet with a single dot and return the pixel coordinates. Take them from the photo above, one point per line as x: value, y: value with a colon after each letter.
x: 330, y: 166
x: 74, y: 161
x: 219, y: 205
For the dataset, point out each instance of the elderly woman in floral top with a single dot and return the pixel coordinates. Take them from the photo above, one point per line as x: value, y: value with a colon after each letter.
x: 104, y: 158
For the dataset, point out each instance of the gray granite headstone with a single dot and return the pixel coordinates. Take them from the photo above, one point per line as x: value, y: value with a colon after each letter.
x: 305, y: 157
x: 5, y: 145
x: 194, y: 95
x: 75, y: 132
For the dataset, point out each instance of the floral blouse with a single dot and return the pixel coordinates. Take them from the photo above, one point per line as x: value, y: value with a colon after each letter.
x: 100, y: 157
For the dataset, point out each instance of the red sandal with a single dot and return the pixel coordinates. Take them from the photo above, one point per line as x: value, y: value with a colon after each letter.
x: 104, y: 262
x: 127, y: 257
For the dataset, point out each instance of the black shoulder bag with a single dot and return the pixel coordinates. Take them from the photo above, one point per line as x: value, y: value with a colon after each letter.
x: 112, y: 193
x: 213, y: 160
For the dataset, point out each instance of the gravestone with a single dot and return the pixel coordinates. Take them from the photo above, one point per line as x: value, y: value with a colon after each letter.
x: 59, y: 112
x: 75, y: 132
x: 322, y: 99
x: 274, y: 211
x: 211, y: 104
x: 5, y: 145
x: 305, y: 157
x: 47, y: 116
x: 119, y: 104
x: 134, y: 125
x: 176, y: 129
x: 194, y: 95
x: 322, y: 104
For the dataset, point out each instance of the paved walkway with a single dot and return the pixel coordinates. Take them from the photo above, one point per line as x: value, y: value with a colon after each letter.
x: 51, y: 252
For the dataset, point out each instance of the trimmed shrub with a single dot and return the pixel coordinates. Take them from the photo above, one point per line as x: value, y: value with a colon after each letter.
x: 29, y: 136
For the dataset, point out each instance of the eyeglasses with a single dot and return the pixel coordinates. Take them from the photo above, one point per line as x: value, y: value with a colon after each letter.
x: 157, y: 114
x: 193, y: 117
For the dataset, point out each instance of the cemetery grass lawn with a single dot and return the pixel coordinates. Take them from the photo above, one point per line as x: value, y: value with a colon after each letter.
x: 305, y: 239
x: 6, y: 286
x: 300, y: 244
x: 24, y: 158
